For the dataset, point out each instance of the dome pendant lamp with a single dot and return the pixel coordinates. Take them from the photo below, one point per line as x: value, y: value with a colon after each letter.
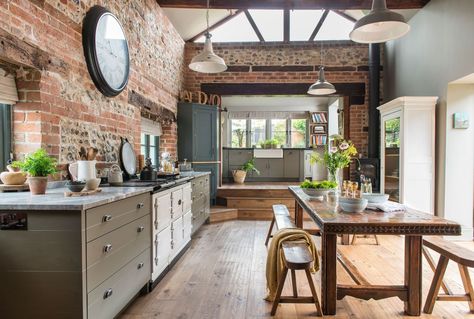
x: 321, y: 87
x: 207, y: 61
x: 380, y: 25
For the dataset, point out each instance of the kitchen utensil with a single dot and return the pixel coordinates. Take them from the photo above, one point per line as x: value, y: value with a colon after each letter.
x: 148, y: 173
x: 128, y: 158
x: 83, y: 170
x: 91, y: 153
x: 375, y: 197
x: 92, y: 184
x: 115, y: 176
x: 82, y: 153
x: 353, y: 205
x: 75, y: 186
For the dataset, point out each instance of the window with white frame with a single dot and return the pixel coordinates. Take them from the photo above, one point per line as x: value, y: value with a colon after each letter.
x: 150, y: 141
x: 253, y: 132
x: 8, y: 97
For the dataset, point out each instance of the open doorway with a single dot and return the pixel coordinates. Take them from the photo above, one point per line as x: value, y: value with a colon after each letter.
x: 459, y: 154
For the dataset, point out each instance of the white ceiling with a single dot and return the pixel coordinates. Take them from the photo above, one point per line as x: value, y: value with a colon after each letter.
x: 190, y: 22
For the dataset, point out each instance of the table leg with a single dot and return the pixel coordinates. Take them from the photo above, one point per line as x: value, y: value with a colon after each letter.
x: 413, y: 273
x: 345, y: 239
x: 329, y: 274
x: 298, y: 215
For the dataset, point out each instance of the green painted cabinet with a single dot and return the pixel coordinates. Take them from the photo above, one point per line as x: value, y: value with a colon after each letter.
x: 198, y: 132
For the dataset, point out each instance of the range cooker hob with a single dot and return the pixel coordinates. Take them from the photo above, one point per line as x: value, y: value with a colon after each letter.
x: 157, y: 184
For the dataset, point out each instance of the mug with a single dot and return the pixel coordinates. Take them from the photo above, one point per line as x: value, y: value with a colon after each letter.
x: 83, y: 170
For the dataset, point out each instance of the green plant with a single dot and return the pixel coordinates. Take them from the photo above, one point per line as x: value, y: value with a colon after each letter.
x: 249, y: 166
x: 269, y: 143
x: 318, y: 185
x: 37, y: 164
x: 337, y: 155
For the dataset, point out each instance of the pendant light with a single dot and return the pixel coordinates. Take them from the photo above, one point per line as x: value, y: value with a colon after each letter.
x: 207, y: 61
x: 380, y: 25
x: 321, y: 87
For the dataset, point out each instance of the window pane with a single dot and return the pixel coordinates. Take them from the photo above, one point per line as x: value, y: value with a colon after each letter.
x: 153, y: 155
x: 335, y: 27
x: 257, y: 128
x: 302, y: 23
x: 270, y: 23
x: 279, y: 131
x: 152, y: 140
x: 238, y: 29
x: 298, y: 133
x: 143, y: 139
x: 239, y: 132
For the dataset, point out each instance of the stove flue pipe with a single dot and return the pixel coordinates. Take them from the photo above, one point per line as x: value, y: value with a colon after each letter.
x: 374, y: 101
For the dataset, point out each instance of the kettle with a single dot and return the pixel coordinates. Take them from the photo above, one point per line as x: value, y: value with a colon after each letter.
x: 115, y: 176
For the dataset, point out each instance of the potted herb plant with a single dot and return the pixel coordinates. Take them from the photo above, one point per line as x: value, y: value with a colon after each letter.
x: 38, y: 166
x: 240, y: 174
x: 337, y: 155
x: 317, y: 189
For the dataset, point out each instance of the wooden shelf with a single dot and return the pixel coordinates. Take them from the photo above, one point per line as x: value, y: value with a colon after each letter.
x: 318, y: 119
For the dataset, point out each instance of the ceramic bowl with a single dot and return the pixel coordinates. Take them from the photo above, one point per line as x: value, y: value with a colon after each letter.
x: 92, y: 184
x: 316, y: 192
x: 75, y: 186
x: 376, y: 197
x: 353, y: 205
x: 13, y: 178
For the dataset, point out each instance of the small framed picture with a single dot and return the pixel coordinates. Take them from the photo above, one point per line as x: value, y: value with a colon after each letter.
x: 461, y: 120
x: 319, y: 129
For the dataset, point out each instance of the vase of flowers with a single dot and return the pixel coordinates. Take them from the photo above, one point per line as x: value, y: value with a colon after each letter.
x: 337, y: 155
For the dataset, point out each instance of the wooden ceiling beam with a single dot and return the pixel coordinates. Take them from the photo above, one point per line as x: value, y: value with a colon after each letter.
x: 319, y: 25
x: 291, y: 4
x: 215, y: 25
x: 254, y: 26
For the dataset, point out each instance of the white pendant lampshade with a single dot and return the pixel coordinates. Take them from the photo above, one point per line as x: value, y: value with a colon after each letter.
x: 207, y: 61
x: 380, y: 25
x: 321, y: 87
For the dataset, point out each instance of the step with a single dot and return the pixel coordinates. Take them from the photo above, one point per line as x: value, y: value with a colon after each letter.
x: 258, y: 202
x: 222, y: 213
x: 281, y: 192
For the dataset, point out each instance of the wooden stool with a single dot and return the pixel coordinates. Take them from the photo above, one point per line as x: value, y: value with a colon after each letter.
x: 448, y: 251
x: 296, y: 257
x: 354, y: 237
x: 282, y: 219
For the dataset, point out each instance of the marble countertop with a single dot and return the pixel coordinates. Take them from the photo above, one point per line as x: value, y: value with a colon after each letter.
x: 193, y: 174
x: 54, y: 199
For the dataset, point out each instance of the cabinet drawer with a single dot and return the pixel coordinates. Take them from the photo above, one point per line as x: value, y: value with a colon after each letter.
x: 109, y: 253
x: 108, y: 299
x: 103, y: 219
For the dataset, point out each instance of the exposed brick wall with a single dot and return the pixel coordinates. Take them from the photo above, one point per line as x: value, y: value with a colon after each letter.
x: 345, y: 62
x: 60, y: 109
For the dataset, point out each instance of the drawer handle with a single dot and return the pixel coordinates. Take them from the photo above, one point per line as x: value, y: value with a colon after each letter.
x: 172, y: 244
x: 108, y: 293
x: 140, y: 265
x: 179, y: 202
x: 194, y: 217
x: 156, y: 223
x: 107, y: 248
x: 106, y: 218
x: 156, y: 261
x: 140, y: 229
x: 140, y: 205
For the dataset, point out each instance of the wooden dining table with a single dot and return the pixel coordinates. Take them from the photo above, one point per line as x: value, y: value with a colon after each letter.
x: 333, y: 222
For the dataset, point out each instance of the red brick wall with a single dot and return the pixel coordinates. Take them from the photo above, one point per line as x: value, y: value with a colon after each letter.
x: 345, y: 62
x: 60, y: 109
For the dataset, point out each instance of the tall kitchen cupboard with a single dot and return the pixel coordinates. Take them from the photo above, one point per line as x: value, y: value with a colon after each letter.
x: 198, y: 140
x: 408, y: 151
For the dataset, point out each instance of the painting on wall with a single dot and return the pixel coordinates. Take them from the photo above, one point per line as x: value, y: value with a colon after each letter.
x: 461, y: 120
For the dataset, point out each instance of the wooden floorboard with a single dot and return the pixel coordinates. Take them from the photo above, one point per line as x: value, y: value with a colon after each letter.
x: 222, y: 275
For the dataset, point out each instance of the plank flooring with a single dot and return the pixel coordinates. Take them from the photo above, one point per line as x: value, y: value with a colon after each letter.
x: 222, y: 275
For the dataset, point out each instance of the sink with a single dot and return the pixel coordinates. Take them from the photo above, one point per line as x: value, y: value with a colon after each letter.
x: 268, y: 153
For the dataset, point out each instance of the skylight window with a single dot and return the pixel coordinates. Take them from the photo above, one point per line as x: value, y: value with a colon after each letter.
x: 270, y: 23
x: 335, y: 27
x: 302, y: 23
x: 237, y: 29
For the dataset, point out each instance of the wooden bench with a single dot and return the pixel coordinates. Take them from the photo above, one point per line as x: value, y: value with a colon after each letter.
x: 282, y: 219
x: 296, y: 256
x: 448, y: 251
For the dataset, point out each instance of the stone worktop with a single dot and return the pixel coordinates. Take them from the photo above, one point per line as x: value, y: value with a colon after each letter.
x: 54, y: 199
x: 193, y: 174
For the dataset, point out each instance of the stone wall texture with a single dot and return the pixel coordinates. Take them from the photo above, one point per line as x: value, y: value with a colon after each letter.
x: 345, y: 62
x: 60, y: 109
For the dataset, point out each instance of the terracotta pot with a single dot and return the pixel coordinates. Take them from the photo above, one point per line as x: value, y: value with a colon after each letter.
x: 239, y: 176
x: 38, y: 185
x: 13, y: 178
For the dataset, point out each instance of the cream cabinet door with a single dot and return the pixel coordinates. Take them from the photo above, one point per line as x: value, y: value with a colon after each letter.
x: 162, y: 250
x: 177, y: 203
x: 161, y: 211
x: 187, y: 226
x: 187, y: 198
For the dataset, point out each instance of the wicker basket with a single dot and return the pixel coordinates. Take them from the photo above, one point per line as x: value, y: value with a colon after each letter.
x: 239, y: 176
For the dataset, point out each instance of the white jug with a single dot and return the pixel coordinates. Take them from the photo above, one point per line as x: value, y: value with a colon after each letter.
x: 83, y: 170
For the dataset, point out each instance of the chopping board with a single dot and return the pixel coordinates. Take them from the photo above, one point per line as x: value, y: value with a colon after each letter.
x: 14, y: 188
